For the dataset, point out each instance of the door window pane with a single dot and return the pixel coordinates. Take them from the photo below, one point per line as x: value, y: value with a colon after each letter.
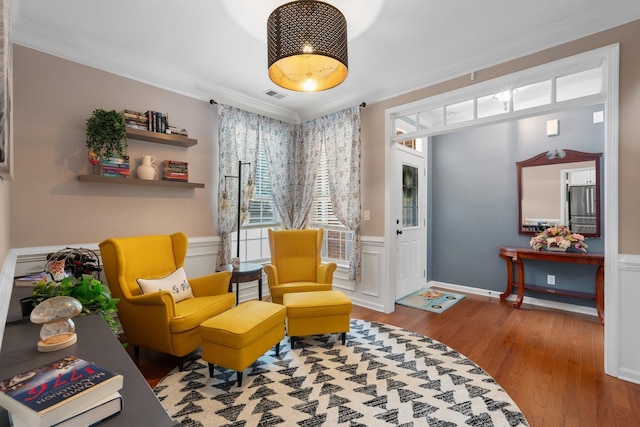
x: 414, y: 144
x: 409, y: 196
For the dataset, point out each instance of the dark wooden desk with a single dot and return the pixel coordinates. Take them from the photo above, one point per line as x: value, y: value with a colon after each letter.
x: 516, y: 255
x: 96, y: 343
x: 247, y: 272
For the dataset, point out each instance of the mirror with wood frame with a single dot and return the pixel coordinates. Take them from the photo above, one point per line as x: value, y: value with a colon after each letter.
x: 560, y: 188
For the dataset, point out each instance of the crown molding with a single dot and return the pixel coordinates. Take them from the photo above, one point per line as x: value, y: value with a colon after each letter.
x: 549, y: 34
x: 106, y: 59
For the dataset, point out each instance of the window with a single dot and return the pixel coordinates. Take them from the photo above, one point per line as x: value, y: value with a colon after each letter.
x: 254, y: 236
x: 575, y: 85
x: 337, y: 239
x: 262, y: 210
x: 410, y: 209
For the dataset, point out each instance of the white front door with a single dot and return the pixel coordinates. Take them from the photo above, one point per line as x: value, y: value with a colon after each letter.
x: 409, y: 197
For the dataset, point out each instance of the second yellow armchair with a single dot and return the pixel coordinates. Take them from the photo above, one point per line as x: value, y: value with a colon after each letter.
x: 296, y: 263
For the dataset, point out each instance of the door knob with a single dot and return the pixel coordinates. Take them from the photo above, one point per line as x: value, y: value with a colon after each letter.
x: 398, y: 231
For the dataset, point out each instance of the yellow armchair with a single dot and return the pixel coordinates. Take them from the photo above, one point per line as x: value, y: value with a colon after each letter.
x: 153, y: 320
x: 296, y: 263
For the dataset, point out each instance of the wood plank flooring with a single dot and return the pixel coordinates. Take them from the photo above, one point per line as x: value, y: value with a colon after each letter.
x: 550, y: 362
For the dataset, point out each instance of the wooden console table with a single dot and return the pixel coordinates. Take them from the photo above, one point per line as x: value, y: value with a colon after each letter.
x: 517, y: 255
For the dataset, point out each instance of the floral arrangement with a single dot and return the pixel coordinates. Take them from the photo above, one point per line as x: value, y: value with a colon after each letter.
x: 558, y: 237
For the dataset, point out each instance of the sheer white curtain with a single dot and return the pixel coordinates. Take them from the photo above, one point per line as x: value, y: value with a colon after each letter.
x: 238, y: 141
x: 341, y: 132
x: 289, y: 176
x: 292, y: 153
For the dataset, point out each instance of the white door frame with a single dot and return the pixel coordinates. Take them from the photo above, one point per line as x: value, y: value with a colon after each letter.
x: 609, y: 57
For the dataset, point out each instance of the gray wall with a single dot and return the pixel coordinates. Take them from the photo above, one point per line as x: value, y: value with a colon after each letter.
x: 474, y: 200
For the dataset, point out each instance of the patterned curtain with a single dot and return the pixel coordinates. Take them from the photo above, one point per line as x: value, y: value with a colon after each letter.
x: 279, y: 141
x: 292, y: 153
x: 238, y: 133
x: 342, y: 146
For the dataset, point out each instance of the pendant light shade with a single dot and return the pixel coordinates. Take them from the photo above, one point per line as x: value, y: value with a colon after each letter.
x: 307, y: 46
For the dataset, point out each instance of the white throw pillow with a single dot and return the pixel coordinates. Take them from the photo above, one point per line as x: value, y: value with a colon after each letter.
x: 176, y: 283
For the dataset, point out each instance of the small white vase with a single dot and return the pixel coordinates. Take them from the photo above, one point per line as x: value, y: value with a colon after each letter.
x: 147, y: 170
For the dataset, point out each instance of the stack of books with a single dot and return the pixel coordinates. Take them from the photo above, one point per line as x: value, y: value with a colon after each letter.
x: 115, y: 166
x: 174, y: 170
x: 177, y: 131
x: 135, y: 119
x: 152, y: 121
x: 69, y: 392
x: 158, y: 122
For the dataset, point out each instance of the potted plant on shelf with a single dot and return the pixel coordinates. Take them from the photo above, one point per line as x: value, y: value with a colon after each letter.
x: 106, y: 135
x: 92, y: 294
x: 75, y: 272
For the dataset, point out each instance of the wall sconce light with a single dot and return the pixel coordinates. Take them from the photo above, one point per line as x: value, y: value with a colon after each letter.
x: 307, y: 46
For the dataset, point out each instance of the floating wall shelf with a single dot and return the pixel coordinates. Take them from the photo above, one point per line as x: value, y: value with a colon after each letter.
x: 135, y: 181
x: 160, y: 138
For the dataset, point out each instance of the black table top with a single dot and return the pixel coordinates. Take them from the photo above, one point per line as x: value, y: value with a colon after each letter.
x: 97, y: 344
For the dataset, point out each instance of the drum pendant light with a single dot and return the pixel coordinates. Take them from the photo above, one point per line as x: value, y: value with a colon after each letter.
x: 307, y: 46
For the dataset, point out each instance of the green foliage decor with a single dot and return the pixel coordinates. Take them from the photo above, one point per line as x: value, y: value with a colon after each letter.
x: 92, y: 294
x: 106, y: 132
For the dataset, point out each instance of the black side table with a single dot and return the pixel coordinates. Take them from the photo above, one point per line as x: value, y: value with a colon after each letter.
x: 247, y: 272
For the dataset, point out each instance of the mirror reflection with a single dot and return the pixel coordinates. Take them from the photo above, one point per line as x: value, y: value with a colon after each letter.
x: 560, y: 189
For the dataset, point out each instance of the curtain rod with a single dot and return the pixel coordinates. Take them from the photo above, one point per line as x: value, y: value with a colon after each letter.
x: 213, y: 102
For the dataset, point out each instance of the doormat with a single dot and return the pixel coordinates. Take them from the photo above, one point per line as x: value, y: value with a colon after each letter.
x: 430, y: 299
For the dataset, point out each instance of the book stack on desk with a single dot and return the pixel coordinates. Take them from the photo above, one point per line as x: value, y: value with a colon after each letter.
x: 69, y: 392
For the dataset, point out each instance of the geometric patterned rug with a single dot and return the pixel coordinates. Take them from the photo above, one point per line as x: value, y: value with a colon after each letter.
x: 384, y: 375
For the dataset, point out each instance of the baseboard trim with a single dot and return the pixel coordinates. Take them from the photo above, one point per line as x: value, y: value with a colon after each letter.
x: 527, y: 299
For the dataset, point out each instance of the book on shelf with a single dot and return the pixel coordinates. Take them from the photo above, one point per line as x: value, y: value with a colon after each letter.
x: 175, y: 169
x: 175, y: 162
x: 48, y: 394
x: 115, y: 159
x: 135, y: 119
x: 89, y: 416
x: 116, y: 169
x: 157, y: 122
x: 177, y: 131
x: 115, y: 175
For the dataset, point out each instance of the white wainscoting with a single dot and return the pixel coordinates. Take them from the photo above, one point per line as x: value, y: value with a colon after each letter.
x: 370, y: 290
x: 628, y: 350
x: 201, y: 260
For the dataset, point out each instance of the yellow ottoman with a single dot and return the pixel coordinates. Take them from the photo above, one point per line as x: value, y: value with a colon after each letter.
x: 318, y: 312
x: 237, y: 337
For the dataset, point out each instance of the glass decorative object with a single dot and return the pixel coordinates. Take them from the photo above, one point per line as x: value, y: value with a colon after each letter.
x: 94, y: 159
x: 58, y: 330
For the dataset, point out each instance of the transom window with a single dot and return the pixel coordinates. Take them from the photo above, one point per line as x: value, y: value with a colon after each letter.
x: 528, y: 93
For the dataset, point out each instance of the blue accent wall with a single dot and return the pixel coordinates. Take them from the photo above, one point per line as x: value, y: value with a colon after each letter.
x: 473, y: 199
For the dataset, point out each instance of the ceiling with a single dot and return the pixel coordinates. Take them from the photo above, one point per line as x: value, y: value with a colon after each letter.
x: 216, y: 49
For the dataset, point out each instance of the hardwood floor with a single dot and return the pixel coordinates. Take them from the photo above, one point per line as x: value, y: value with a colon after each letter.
x: 550, y: 362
